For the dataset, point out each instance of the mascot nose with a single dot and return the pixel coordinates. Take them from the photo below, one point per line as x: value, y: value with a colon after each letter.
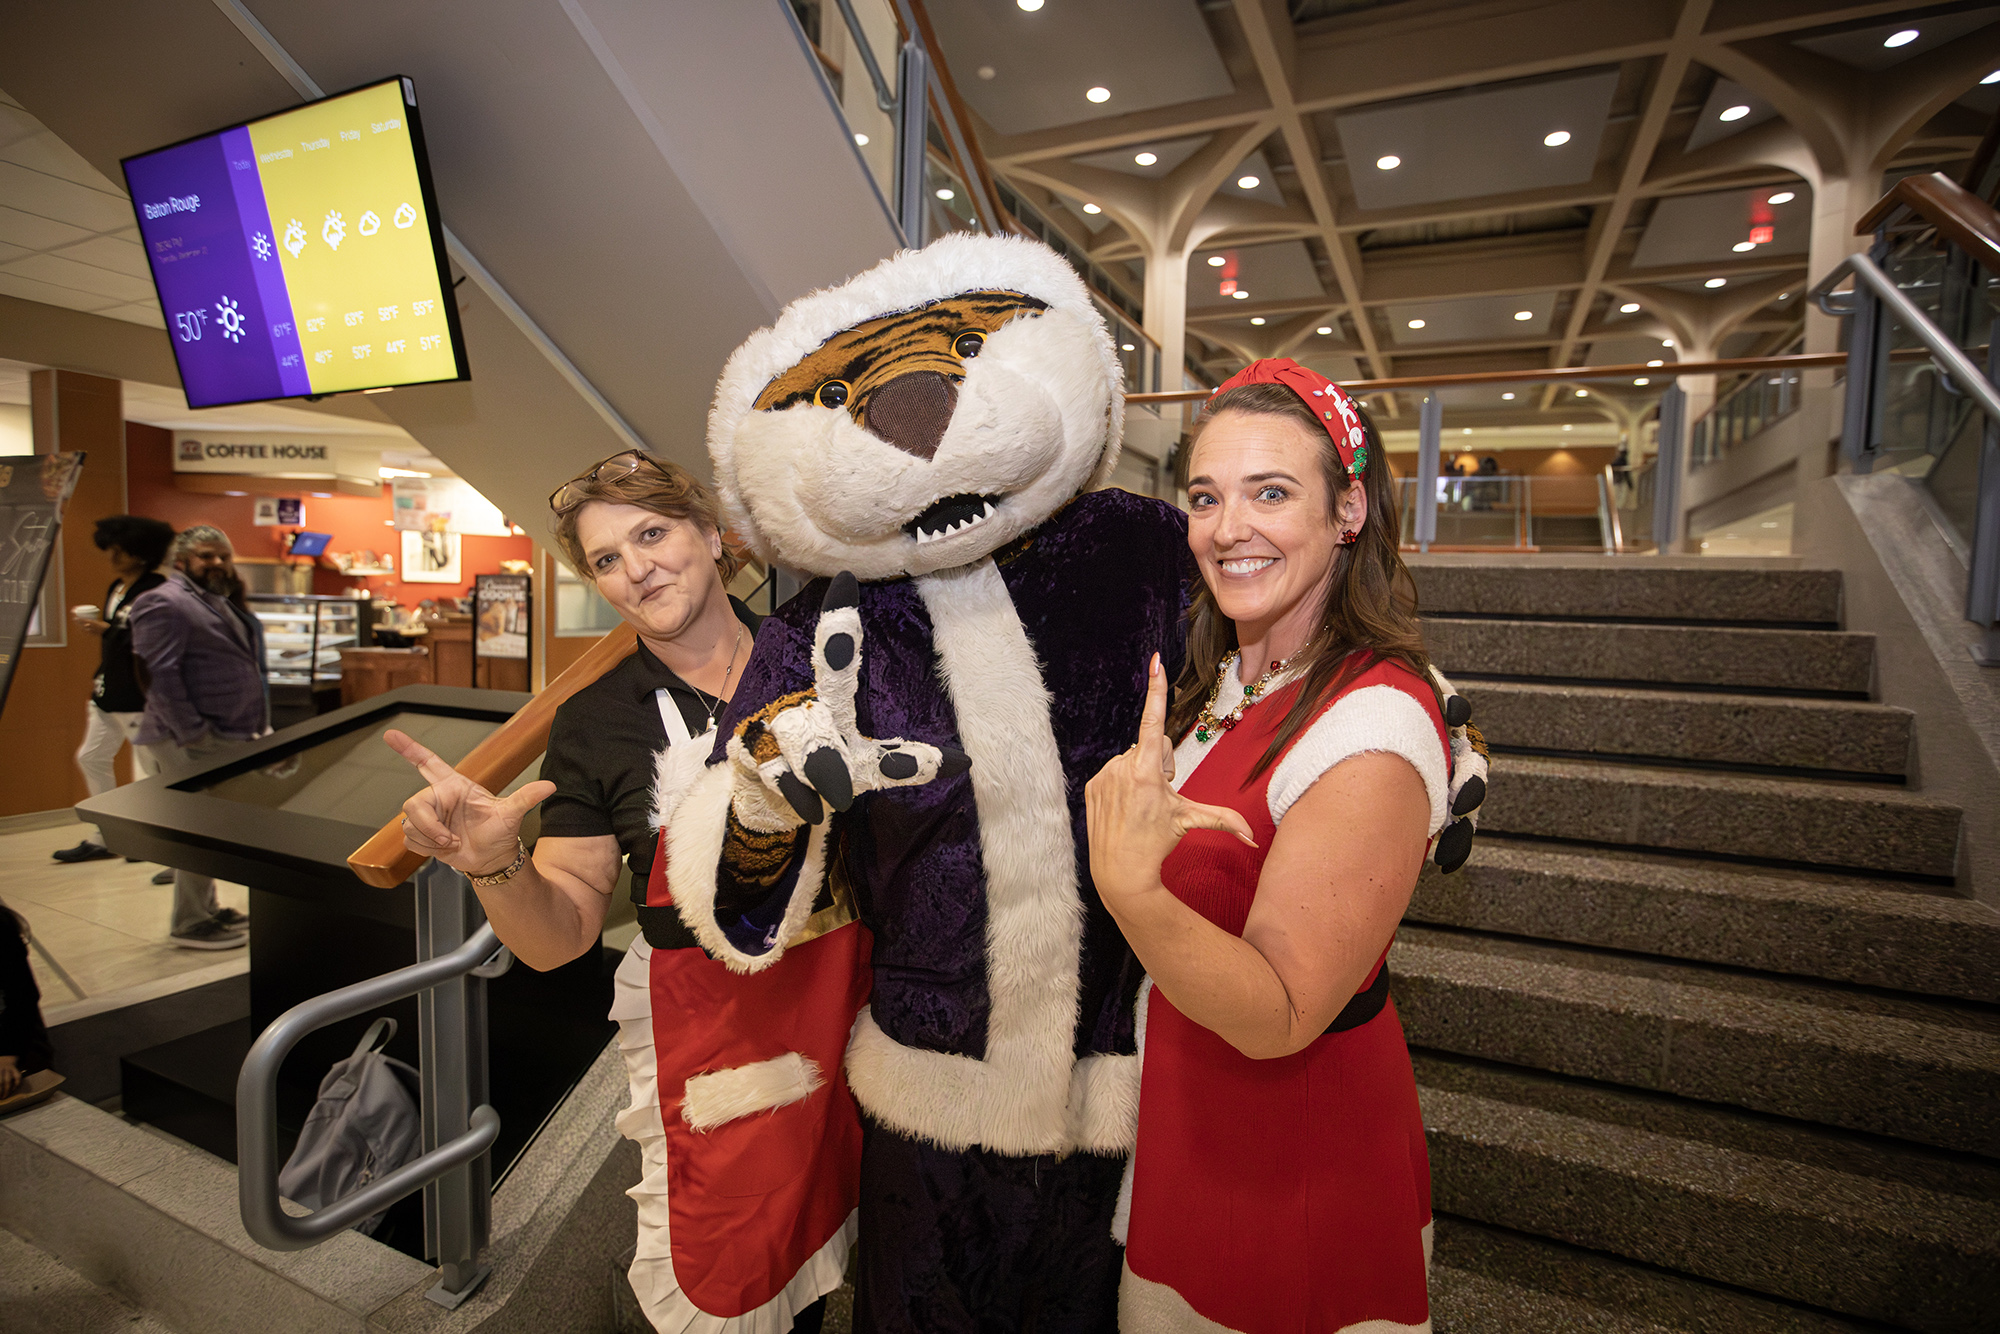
x: 912, y: 411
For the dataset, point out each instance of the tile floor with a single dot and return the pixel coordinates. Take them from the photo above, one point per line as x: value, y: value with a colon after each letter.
x: 106, y: 924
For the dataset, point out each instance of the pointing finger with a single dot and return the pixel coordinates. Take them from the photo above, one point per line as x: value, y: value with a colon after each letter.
x: 1153, y: 719
x: 426, y: 761
x: 837, y: 649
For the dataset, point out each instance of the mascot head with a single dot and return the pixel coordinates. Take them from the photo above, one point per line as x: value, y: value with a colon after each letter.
x: 919, y: 416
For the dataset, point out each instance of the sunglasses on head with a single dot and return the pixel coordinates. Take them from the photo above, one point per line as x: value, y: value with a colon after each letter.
x: 623, y: 464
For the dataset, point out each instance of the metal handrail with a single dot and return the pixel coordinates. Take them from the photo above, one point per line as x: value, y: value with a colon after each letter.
x: 1946, y: 354
x: 264, y: 1218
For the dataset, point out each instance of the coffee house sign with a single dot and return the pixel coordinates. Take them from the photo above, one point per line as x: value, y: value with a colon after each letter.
x: 264, y: 454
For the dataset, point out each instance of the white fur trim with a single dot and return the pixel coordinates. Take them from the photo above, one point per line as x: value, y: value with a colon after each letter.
x: 1121, y: 1217
x: 1063, y: 361
x: 721, y: 1096
x: 694, y: 854
x: 1104, y: 1104
x: 1016, y: 1100
x: 675, y: 770
x: 654, y: 1281
x: 1373, y: 718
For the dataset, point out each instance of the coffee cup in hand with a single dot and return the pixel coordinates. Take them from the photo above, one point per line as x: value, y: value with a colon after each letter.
x: 88, y: 611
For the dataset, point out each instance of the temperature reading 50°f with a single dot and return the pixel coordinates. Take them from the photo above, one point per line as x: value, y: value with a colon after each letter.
x: 188, y: 324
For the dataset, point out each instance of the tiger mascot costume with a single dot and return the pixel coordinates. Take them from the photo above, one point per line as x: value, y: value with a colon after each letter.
x: 897, y: 796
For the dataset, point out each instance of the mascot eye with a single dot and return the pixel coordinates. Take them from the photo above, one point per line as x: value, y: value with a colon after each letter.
x: 967, y: 344
x: 832, y: 394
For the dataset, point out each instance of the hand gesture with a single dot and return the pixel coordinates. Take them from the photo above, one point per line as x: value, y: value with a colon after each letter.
x: 1467, y: 787
x: 1135, y: 816
x: 457, y: 821
x: 92, y: 626
x: 803, y: 748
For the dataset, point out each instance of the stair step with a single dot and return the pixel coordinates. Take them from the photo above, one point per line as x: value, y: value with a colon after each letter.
x: 41, y: 1295
x: 1626, y: 589
x: 1897, y: 1066
x: 1789, y: 820
x: 1823, y: 661
x: 1841, y: 929
x: 1825, y: 1218
x: 1842, y: 736
x: 1486, y: 1281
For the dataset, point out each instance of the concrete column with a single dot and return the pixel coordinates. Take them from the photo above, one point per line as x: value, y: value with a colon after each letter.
x: 1166, y: 310
x: 1838, y: 204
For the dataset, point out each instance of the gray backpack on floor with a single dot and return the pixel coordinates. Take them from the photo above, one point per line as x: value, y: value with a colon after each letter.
x: 364, y: 1126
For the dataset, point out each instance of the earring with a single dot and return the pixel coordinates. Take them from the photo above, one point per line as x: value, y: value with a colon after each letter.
x: 1350, y: 537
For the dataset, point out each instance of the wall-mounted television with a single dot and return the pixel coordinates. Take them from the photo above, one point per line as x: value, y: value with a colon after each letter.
x: 301, y: 254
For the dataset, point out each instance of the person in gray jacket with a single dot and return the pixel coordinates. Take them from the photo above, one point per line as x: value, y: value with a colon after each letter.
x: 204, y: 656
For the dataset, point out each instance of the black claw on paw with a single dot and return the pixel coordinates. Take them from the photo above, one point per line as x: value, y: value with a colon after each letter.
x: 827, y: 772
x: 1469, y: 796
x: 841, y: 591
x: 1454, y: 846
x: 1457, y: 711
x: 952, y: 763
x: 898, y: 765
x: 839, y: 651
x: 802, y: 798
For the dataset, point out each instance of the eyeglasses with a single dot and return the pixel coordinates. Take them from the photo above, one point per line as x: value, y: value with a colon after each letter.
x: 566, y: 497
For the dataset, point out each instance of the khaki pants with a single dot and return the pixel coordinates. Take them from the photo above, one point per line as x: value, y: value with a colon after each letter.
x: 194, y: 895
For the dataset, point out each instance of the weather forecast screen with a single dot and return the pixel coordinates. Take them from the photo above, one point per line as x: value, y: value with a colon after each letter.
x: 301, y: 253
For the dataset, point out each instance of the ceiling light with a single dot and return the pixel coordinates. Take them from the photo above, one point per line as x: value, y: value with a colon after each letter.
x: 1656, y: 362
x: 1256, y: 319
x: 1509, y: 395
x: 1216, y: 261
x: 384, y: 389
x: 1783, y: 295
x: 987, y: 72
x: 1903, y: 38
x: 1994, y: 77
x: 1556, y: 138
x: 1524, y: 314
x: 1388, y: 162
x: 1716, y: 282
x: 1029, y: 6
x: 1767, y: 525
x: 1127, y: 347
x: 1098, y: 95
x: 1416, y: 324
x: 1092, y: 209
x: 1465, y: 430
x: 1324, y: 330
x: 1247, y: 182
x: 1786, y: 196
x: 1241, y: 295
x: 400, y: 472
x: 235, y: 493
x: 946, y: 194
x: 1565, y: 426
x: 1744, y: 247
x: 1666, y: 342
x: 1737, y: 112
x: 1642, y: 380
x: 1583, y: 393
x: 1629, y: 308
x: 1145, y: 159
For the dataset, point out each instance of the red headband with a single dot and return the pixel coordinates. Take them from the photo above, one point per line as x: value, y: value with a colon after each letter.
x: 1328, y: 401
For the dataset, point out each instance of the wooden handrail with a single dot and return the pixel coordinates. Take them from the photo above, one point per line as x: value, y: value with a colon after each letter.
x: 385, y: 862
x: 1960, y: 216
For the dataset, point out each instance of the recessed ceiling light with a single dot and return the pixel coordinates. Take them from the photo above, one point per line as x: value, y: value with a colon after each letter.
x: 1565, y: 426
x: 1216, y: 261
x: 1716, y: 282
x: 1783, y: 295
x: 1903, y: 38
x: 1145, y: 159
x: 1994, y: 77
x: 1247, y: 182
x: 1324, y: 330
x: 1524, y: 314
x: 1582, y: 393
x: 1127, y: 347
x: 1098, y: 95
x: 1388, y: 162
x: 1029, y: 5
x: 1416, y: 324
x: 1656, y: 362
x: 1465, y: 430
x: 245, y: 493
x: 1256, y: 319
x: 1629, y: 308
x: 1744, y: 247
x: 1092, y: 209
x: 1509, y: 395
x: 946, y: 194
x: 1737, y: 112
x: 1241, y: 295
x: 861, y: 138
x: 987, y: 71
x: 1786, y: 196
x: 1666, y: 342
x: 1642, y: 380
x: 1767, y: 525
x: 1556, y: 138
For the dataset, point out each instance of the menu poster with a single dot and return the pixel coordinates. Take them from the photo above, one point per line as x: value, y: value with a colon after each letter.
x: 33, y: 490
x: 501, y: 622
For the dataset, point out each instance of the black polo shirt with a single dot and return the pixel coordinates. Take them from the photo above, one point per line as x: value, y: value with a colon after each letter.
x: 602, y: 748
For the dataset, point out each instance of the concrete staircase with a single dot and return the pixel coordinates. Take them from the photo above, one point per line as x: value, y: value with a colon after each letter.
x: 1704, y: 1038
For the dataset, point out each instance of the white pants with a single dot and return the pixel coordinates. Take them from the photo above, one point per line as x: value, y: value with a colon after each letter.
x: 103, y: 736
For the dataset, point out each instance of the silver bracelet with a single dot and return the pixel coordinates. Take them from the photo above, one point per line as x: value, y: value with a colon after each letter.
x: 502, y: 877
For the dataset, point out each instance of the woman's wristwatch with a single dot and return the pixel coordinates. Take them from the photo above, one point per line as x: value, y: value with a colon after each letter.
x: 502, y: 877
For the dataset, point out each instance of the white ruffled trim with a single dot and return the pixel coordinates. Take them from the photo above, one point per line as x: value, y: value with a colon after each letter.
x: 654, y: 1282
x: 1373, y: 718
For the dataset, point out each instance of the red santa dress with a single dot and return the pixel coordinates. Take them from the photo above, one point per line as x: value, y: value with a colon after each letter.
x: 1291, y: 1194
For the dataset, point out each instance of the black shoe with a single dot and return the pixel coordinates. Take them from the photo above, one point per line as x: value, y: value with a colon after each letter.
x: 232, y: 919
x: 165, y: 877
x: 85, y: 851
x: 211, y: 935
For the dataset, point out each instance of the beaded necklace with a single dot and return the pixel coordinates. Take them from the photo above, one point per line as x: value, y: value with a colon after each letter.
x: 1207, y: 726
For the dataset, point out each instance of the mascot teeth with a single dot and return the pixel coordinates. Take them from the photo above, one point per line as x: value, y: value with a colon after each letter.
x: 953, y: 514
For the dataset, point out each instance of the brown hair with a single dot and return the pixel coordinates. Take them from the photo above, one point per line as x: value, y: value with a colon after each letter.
x: 659, y: 485
x: 1370, y: 613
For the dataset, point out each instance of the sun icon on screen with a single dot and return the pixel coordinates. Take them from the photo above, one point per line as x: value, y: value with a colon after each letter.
x: 230, y: 319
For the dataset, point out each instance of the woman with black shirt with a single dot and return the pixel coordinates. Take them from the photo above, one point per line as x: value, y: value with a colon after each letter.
x: 136, y: 546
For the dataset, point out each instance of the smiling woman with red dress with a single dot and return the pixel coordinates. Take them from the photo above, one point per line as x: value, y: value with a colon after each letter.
x: 1258, y: 846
